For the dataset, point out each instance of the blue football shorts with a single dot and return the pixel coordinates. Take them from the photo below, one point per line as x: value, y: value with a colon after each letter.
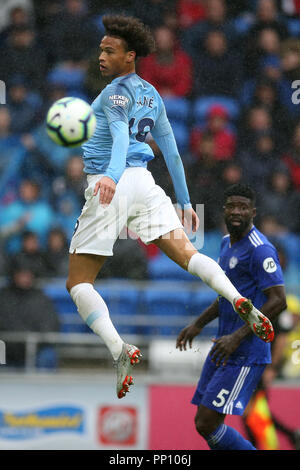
x: 227, y: 389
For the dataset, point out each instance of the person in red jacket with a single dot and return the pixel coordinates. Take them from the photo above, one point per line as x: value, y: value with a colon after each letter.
x: 224, y: 140
x: 169, y: 69
x: 190, y: 12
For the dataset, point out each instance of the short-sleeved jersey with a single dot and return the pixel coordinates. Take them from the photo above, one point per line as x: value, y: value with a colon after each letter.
x: 137, y: 103
x: 252, y: 265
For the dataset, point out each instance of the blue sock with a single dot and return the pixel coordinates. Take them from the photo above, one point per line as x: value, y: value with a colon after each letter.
x: 227, y: 438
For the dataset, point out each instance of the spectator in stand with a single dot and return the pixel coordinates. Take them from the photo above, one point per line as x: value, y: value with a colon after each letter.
x: 259, y: 160
x: 292, y: 158
x: 204, y: 177
x: 24, y: 106
x: 73, y: 182
x: 57, y: 254
x: 130, y: 260
x: 215, y: 62
x: 256, y: 120
x: 279, y: 200
x: 264, y: 92
x: 152, y: 12
x: 11, y: 157
x: 190, y: 12
x: 68, y: 194
x: 216, y: 18
x: 25, y: 308
x: 217, y: 126
x: 73, y: 34
x: 164, y: 68
x: 29, y: 204
x: 18, y: 16
x: 23, y: 56
x: 31, y: 254
x: 8, y: 140
x: 266, y: 46
x: 267, y: 19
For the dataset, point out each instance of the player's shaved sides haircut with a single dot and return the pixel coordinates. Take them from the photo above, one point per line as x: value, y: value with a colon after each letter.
x: 137, y: 36
x: 240, y: 190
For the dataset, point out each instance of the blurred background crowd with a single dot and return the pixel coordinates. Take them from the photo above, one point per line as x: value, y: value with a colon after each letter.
x: 229, y: 74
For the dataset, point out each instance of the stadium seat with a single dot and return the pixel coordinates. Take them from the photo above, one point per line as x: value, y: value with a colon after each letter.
x: 47, y: 358
x: 70, y: 78
x: 123, y: 305
x: 242, y: 24
x: 70, y: 320
x: 178, y: 109
x: 163, y: 268
x: 203, y: 104
x: 293, y: 26
x: 181, y: 133
x: 164, y: 304
x: 200, y: 300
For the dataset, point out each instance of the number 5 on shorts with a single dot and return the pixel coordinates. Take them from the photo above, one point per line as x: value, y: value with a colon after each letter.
x: 221, y: 396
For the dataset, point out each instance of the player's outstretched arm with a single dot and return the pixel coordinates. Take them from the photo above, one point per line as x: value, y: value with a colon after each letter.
x: 189, y: 332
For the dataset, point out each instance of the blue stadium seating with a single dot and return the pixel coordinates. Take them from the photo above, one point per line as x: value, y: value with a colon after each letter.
x: 162, y: 303
x: 203, y: 104
x: 66, y: 309
x: 163, y: 268
x: 181, y: 133
x: 178, y: 109
x: 123, y: 303
x: 293, y: 26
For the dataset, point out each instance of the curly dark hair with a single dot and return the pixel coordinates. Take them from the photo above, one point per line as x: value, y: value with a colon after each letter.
x: 240, y: 190
x: 137, y: 36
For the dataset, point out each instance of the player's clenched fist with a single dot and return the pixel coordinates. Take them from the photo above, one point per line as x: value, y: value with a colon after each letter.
x: 107, y: 188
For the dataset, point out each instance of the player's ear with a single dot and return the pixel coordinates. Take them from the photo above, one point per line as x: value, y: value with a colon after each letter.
x: 131, y: 56
x: 254, y: 211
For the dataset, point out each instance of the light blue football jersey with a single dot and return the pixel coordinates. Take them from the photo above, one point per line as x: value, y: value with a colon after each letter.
x: 137, y: 103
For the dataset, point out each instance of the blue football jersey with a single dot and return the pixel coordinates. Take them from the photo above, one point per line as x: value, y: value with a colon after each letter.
x: 137, y: 103
x: 252, y: 265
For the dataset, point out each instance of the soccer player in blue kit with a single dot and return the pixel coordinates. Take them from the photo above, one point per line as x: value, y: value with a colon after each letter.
x: 237, y: 358
x: 121, y: 193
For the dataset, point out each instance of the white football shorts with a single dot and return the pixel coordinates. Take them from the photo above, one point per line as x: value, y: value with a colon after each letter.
x: 138, y: 204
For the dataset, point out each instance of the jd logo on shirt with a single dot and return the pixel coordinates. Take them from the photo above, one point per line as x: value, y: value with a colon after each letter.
x: 269, y: 265
x: 233, y: 262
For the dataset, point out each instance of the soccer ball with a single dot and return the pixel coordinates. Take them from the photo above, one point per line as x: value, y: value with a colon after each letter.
x: 70, y: 122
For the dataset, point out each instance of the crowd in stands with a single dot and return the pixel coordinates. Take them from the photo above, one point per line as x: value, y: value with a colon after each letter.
x: 229, y: 73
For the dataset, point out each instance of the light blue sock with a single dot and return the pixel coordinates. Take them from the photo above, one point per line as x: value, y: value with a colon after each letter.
x: 227, y: 438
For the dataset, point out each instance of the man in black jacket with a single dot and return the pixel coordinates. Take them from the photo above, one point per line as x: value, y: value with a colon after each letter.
x: 25, y: 308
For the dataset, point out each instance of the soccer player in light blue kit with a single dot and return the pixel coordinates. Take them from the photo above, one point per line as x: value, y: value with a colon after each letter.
x: 237, y: 359
x: 122, y: 193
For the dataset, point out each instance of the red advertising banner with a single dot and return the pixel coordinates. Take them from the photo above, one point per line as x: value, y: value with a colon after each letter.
x: 172, y: 417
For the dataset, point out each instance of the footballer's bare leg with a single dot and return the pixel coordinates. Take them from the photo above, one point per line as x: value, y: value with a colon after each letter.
x: 178, y: 247
x: 207, y: 420
x: 83, y: 270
